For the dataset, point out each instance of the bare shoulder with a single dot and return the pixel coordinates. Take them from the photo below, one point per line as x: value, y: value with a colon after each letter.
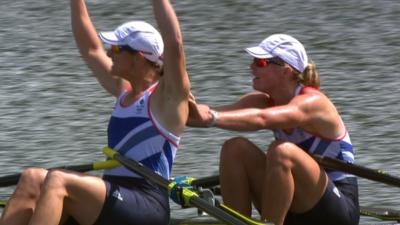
x: 312, y: 99
x: 321, y: 114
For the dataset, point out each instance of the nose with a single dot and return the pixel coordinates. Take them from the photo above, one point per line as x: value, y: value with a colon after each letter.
x: 252, y: 66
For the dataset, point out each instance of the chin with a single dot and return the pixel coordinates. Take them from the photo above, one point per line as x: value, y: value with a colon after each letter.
x: 259, y: 89
x: 255, y: 87
x: 116, y: 72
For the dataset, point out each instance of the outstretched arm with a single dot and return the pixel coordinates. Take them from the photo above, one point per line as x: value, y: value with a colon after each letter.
x: 299, y: 112
x: 91, y: 48
x: 201, y: 115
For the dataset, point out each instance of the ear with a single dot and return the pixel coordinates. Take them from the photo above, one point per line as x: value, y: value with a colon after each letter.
x: 140, y: 53
x: 288, y: 70
x: 138, y: 56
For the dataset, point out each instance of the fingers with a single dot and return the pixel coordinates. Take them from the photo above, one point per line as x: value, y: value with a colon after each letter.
x: 191, y: 97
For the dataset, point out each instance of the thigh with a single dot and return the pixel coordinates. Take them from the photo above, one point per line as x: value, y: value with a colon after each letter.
x: 85, y: 195
x: 240, y: 154
x: 136, y: 205
x: 309, y: 178
x: 255, y: 164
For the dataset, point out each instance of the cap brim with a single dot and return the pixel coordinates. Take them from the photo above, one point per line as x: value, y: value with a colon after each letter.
x: 110, y: 38
x: 258, y: 52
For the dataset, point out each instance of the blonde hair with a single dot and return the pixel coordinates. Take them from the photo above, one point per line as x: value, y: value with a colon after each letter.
x: 309, y: 77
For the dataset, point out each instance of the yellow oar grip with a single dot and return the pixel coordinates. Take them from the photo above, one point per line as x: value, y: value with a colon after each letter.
x: 171, y: 185
x: 109, y: 164
x: 189, y: 193
x: 109, y: 152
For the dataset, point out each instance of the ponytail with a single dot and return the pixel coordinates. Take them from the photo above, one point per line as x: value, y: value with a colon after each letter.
x: 309, y: 77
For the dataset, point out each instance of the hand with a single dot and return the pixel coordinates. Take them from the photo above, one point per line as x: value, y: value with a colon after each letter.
x: 199, y: 114
x: 176, y: 188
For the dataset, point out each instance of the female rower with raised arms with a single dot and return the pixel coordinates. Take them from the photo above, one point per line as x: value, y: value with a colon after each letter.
x: 149, y: 79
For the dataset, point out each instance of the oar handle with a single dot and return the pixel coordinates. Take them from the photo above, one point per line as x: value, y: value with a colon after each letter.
x: 206, y: 182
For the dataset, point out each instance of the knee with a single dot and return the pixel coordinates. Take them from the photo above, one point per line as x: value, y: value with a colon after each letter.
x: 280, y: 154
x: 30, y: 182
x: 33, y: 176
x: 234, y: 148
x: 55, y: 181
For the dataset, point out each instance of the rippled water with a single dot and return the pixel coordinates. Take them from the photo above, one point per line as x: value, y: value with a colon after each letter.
x: 53, y: 112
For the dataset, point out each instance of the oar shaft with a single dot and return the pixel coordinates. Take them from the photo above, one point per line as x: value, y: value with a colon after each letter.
x: 206, y: 182
x: 12, y: 179
x: 328, y: 163
x: 375, y: 175
x: 143, y: 171
x: 9, y: 180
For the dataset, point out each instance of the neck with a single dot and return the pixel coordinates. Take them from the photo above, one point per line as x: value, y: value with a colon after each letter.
x: 139, y: 87
x: 142, y: 80
x: 137, y: 91
x: 284, y: 94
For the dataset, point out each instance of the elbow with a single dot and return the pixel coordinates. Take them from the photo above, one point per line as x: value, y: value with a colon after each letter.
x: 177, y: 39
x: 262, y: 122
x: 261, y: 125
x: 86, y: 52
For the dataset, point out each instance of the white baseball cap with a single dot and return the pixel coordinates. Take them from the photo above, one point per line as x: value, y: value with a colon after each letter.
x: 138, y: 35
x: 283, y: 46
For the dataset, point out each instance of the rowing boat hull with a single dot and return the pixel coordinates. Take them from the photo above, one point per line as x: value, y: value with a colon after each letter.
x: 210, y: 221
x: 195, y: 221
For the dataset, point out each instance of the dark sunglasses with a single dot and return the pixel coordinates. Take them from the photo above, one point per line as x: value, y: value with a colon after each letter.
x: 265, y: 62
x: 116, y: 49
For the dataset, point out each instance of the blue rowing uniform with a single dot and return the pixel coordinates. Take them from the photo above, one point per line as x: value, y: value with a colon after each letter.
x: 340, y: 148
x: 339, y: 203
x: 135, y: 133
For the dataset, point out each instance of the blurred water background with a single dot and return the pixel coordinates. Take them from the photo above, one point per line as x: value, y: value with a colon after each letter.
x: 53, y: 112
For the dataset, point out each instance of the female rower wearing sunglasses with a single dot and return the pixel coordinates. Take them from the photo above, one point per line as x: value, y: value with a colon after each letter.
x: 152, y: 90
x: 284, y: 183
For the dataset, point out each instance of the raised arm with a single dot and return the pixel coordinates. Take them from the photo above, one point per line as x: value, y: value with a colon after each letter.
x: 170, y: 100
x: 91, y: 48
x: 175, y: 77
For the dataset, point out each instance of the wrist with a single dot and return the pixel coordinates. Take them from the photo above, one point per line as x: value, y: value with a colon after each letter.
x: 214, y: 117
